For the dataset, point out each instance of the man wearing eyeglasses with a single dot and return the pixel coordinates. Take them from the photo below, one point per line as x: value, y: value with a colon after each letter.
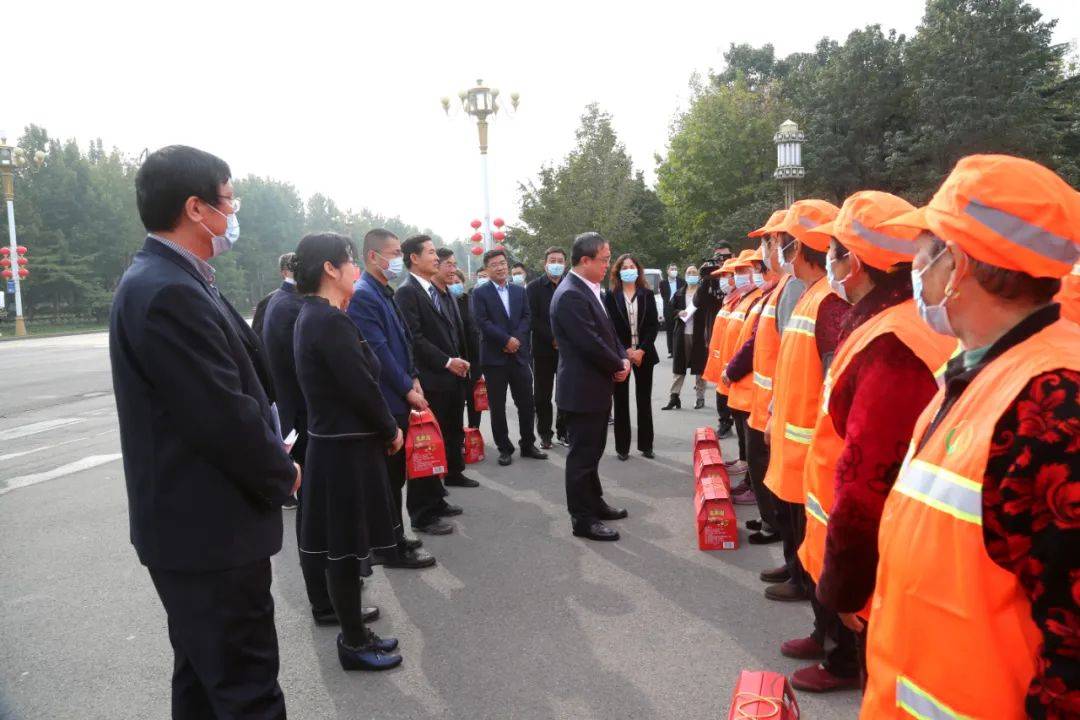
x: 206, y: 469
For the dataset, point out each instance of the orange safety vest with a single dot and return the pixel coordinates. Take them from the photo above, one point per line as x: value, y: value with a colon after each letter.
x: 952, y: 634
x: 766, y: 350
x: 736, y: 322
x: 714, y: 366
x: 799, y: 376
x: 819, y: 478
x: 741, y: 393
x: 1069, y: 296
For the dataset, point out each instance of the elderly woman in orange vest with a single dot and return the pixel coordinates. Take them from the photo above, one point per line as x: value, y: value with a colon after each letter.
x: 975, y: 609
x: 881, y: 378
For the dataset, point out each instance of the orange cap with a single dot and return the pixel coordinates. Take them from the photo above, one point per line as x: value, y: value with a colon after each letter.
x: 806, y: 215
x: 727, y: 267
x: 858, y: 227
x: 1007, y: 212
x: 771, y: 226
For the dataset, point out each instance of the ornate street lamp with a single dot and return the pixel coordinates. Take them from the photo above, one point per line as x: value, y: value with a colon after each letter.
x: 482, y: 102
x: 12, y: 158
x: 789, y: 169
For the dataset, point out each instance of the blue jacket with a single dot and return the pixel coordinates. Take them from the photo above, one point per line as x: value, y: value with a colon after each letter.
x: 373, y: 311
x: 496, y: 328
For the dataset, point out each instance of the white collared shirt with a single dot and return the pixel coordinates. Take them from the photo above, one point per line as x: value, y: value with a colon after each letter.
x: 504, y: 295
x: 426, y: 284
x: 595, y: 287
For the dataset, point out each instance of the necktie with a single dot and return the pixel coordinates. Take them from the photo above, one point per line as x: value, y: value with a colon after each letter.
x: 434, y: 297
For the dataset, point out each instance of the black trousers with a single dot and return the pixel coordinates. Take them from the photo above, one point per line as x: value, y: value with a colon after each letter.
x: 544, y: 368
x: 791, y: 524
x: 741, y: 430
x: 225, y: 648
x: 723, y: 412
x: 669, y: 333
x: 518, y: 377
x: 448, y: 406
x: 425, y: 496
x: 643, y: 396
x: 587, y: 433
x: 844, y: 658
x: 473, y: 413
x: 757, y: 460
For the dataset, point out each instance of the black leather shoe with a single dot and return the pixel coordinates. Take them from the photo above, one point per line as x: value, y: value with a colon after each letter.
x: 699, y: 403
x: 531, y: 451
x: 329, y: 617
x: 413, y: 543
x: 448, y: 510
x: 435, y: 527
x: 409, y: 560
x: 545, y: 443
x: 505, y: 459
x: 611, y: 513
x: 673, y: 404
x: 595, y: 530
x: 562, y: 440
x: 754, y: 525
x: 763, y: 538
x: 649, y: 454
x: 366, y: 657
x: 460, y: 481
x: 290, y: 503
x: 622, y: 456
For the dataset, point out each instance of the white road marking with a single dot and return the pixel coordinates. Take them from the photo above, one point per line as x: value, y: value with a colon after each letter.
x: 11, y: 456
x: 78, y: 466
x: 36, y: 428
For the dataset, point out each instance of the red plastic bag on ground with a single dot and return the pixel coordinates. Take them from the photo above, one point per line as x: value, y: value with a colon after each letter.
x: 473, y: 446
x: 425, y: 451
x: 763, y: 695
x: 479, y: 395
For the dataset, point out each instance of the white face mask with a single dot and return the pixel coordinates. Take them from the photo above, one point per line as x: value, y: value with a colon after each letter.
x: 518, y: 279
x: 759, y: 280
x: 222, y: 244
x: 785, y: 265
x: 394, y: 268
x: 482, y: 281
x: 673, y: 274
x: 836, y: 284
x: 936, y: 316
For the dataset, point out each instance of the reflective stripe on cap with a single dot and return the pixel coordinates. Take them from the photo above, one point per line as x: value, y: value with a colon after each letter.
x: 1020, y: 231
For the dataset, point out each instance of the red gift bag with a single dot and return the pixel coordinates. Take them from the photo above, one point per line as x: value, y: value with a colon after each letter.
x: 763, y: 695
x: 479, y: 396
x: 704, y: 439
x: 472, y: 448
x: 717, y: 526
x: 425, y: 452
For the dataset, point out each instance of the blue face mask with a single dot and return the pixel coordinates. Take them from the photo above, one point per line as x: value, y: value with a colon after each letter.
x: 223, y: 243
x: 456, y: 289
x: 518, y: 279
x: 628, y: 275
x: 758, y: 279
x: 481, y: 282
x: 742, y: 281
x: 395, y: 268
x: 692, y: 279
x: 555, y: 269
x: 936, y: 316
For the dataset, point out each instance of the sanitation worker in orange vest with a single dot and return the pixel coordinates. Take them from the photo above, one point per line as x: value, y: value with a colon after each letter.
x: 881, y: 378
x: 975, y: 609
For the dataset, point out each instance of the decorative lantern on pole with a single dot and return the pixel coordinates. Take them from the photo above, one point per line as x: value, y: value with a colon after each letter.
x: 481, y: 102
x: 15, y: 268
x: 789, y: 169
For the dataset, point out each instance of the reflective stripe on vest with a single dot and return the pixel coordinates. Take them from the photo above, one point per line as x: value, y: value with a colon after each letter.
x: 942, y: 490
x: 801, y: 435
x: 814, y: 509
x: 801, y: 324
x: 762, y: 381
x: 769, y: 311
x: 921, y: 704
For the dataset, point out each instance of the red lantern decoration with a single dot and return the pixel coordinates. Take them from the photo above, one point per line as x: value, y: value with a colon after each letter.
x: 498, y: 222
x: 475, y: 224
x: 5, y: 251
x: 477, y: 250
x: 499, y: 235
x: 477, y: 237
x: 22, y: 261
x: 5, y: 263
x: 23, y: 272
x: 499, y: 247
x: 21, y: 250
x: 7, y: 274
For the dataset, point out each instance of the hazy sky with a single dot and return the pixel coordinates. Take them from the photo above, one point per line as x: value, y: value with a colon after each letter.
x: 343, y: 97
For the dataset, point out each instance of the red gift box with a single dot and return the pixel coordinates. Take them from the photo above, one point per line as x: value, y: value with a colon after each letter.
x: 763, y: 695
x: 709, y: 466
x: 717, y: 526
x: 425, y: 451
x: 704, y: 439
x: 479, y: 395
x: 473, y: 446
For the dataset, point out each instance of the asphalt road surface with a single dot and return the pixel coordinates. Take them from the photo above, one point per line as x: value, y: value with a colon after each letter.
x: 518, y: 620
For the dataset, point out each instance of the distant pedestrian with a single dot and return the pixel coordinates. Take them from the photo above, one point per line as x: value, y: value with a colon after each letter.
x: 287, y: 285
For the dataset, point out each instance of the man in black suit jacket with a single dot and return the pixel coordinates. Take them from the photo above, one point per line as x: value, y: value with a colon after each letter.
x: 437, y: 347
x: 591, y: 361
x: 287, y: 285
x: 204, y: 463
x: 544, y: 347
x: 501, y: 311
x: 668, y: 287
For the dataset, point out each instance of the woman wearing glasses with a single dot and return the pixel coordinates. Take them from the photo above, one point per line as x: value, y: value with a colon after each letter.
x: 347, y: 511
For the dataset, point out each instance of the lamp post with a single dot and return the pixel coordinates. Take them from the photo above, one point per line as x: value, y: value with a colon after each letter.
x: 481, y: 102
x: 789, y: 169
x: 10, y: 159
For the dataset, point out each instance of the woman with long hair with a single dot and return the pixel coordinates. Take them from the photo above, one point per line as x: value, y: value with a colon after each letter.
x: 347, y: 511
x: 691, y: 344
x: 632, y: 309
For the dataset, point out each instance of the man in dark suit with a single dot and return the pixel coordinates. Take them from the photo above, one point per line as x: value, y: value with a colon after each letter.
x: 373, y: 310
x: 668, y: 287
x: 591, y: 361
x: 287, y: 285
x: 204, y: 463
x: 501, y: 311
x: 545, y: 350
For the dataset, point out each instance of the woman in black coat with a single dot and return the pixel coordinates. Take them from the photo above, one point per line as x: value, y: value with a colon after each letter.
x: 691, y: 340
x: 632, y: 310
x: 347, y: 510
